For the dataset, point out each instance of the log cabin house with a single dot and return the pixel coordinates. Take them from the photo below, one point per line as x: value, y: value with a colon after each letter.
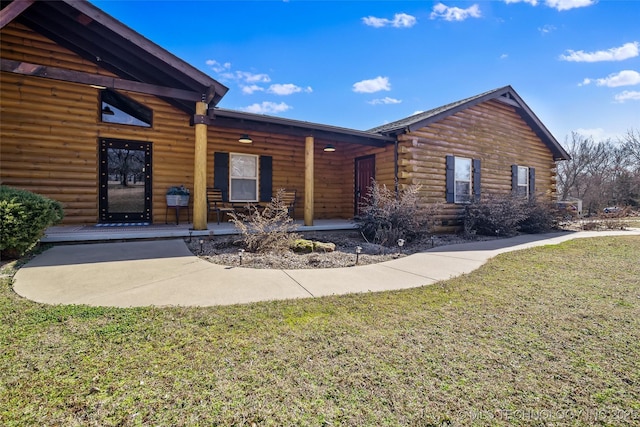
x: 105, y: 121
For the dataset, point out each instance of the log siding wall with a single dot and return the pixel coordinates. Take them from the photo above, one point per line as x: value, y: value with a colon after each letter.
x: 50, y: 131
x: 492, y: 132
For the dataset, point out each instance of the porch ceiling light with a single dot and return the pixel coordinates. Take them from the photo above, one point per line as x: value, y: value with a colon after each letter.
x: 329, y: 148
x: 107, y: 111
x: 245, y: 139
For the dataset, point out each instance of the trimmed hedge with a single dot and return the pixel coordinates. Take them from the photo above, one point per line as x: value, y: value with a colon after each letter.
x: 24, y: 216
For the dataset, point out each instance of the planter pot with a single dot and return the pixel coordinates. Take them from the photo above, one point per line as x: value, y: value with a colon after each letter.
x: 177, y: 200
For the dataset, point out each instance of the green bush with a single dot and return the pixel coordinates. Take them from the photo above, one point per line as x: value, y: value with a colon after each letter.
x: 506, y: 215
x: 24, y: 216
x: 385, y: 218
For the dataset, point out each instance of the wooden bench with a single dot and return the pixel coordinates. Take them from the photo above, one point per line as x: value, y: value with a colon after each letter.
x: 216, y: 204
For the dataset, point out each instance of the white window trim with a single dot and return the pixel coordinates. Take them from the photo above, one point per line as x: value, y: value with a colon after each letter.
x: 456, y: 181
x: 232, y: 177
x: 525, y: 170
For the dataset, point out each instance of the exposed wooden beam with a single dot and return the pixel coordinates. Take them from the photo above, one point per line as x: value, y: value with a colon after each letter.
x: 36, y: 70
x: 13, y: 10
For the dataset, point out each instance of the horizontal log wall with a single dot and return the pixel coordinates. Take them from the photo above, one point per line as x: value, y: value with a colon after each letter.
x: 50, y: 131
x: 492, y: 132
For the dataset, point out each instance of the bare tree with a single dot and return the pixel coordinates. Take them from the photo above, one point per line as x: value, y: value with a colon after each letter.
x: 601, y: 173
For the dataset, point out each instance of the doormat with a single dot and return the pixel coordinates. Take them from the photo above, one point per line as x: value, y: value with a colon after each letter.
x: 124, y: 224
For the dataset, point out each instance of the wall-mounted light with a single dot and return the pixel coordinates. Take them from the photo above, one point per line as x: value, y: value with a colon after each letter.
x: 329, y: 148
x: 245, y: 139
x: 107, y: 111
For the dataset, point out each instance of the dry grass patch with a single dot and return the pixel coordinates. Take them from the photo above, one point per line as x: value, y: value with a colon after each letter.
x: 549, y: 335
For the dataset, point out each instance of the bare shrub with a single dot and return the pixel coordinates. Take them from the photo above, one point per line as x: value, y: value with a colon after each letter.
x: 541, y: 216
x: 615, y: 220
x: 506, y: 215
x: 266, y: 230
x: 385, y: 218
x: 494, y: 215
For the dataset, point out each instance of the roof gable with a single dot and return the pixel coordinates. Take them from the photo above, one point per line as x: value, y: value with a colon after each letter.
x: 97, y: 37
x: 504, y: 94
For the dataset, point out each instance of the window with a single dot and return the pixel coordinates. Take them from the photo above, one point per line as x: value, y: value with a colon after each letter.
x: 523, y: 181
x: 243, y: 178
x: 463, y: 179
x: 462, y: 190
x: 117, y: 108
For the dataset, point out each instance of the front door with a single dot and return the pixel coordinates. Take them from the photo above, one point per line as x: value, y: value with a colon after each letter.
x: 125, y: 181
x: 365, y: 174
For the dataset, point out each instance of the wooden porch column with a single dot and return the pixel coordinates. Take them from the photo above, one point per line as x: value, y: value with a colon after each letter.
x: 308, y: 181
x: 200, y: 172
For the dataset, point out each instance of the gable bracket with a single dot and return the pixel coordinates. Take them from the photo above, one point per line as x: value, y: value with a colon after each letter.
x: 54, y: 73
x: 13, y: 10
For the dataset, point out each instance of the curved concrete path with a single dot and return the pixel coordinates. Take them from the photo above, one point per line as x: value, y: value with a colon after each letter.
x: 164, y: 272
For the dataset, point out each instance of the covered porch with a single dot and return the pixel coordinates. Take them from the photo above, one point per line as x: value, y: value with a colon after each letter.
x: 69, y: 234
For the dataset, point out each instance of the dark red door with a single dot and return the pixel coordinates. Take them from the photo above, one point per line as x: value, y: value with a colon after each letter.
x: 365, y: 174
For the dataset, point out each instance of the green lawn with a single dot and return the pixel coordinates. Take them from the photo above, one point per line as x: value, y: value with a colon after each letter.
x: 547, y: 336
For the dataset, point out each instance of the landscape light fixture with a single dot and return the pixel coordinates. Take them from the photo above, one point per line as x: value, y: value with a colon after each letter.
x: 329, y: 148
x: 358, y: 251
x: 245, y: 139
x: 240, y: 252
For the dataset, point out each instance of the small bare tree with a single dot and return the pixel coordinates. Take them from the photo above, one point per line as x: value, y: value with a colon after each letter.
x: 268, y: 230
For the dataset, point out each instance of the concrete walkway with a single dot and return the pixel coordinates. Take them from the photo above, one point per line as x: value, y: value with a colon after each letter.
x: 164, y: 272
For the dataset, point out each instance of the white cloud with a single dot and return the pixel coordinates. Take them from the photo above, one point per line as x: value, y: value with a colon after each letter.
x: 626, y: 51
x: 557, y: 4
x: 218, y: 67
x: 267, y: 108
x: 250, y: 77
x: 623, y: 78
x: 597, y: 134
x: 569, y: 4
x: 248, y: 90
x: 372, y: 85
x: 531, y: 2
x: 400, y: 20
x: 287, y: 89
x: 504, y: 56
x: 385, y: 100
x: 546, y: 29
x: 628, y: 95
x: 454, y: 13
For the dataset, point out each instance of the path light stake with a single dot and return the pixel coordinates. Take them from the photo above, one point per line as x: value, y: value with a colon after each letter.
x: 190, y: 233
x: 358, y: 250
x: 240, y: 252
x: 201, y: 243
x: 433, y: 240
x: 400, y: 244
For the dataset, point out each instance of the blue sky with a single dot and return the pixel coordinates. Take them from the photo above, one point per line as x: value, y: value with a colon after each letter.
x: 360, y: 64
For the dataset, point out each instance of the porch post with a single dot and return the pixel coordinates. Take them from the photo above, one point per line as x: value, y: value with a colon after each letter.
x: 200, y: 172
x: 308, y: 181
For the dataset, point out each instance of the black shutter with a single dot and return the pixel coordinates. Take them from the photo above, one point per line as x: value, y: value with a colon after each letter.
x: 450, y: 178
x: 476, y: 179
x: 532, y: 182
x: 221, y: 173
x: 514, y: 179
x: 266, y: 173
